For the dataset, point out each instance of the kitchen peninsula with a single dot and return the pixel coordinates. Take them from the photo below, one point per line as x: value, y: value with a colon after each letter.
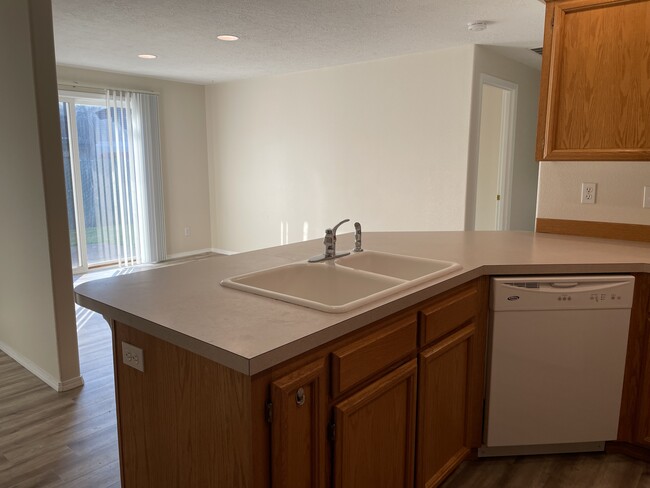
x: 242, y: 390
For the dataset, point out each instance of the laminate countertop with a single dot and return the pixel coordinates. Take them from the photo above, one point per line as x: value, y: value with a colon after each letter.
x: 185, y: 304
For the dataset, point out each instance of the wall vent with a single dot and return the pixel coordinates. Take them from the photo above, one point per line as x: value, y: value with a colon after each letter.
x: 537, y: 50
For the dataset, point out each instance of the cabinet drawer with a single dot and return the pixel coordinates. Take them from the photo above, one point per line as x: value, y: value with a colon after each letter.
x: 361, y: 359
x: 448, y: 312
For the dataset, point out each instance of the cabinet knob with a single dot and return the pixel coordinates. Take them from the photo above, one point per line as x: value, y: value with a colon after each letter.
x: 300, y: 397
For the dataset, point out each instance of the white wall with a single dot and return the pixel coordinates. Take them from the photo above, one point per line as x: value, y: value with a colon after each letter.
x: 488, y: 158
x: 37, y: 319
x: 619, y: 193
x: 384, y: 143
x: 524, y: 177
x: 184, y: 152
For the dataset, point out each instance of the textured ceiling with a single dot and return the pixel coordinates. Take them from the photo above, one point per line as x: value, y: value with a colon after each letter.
x: 279, y: 36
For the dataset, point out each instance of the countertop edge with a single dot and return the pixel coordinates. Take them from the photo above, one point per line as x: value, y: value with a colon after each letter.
x: 208, y: 351
x: 408, y: 298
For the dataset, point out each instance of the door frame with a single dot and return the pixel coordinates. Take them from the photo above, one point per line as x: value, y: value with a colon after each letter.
x: 72, y: 99
x: 80, y: 220
x: 506, y: 151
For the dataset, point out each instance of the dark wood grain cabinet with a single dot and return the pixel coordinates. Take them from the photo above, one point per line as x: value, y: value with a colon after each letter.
x: 595, y: 87
x: 643, y: 412
x: 634, y: 425
x: 642, y: 420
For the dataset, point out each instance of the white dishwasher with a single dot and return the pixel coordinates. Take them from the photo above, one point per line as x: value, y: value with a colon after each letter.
x: 556, y: 355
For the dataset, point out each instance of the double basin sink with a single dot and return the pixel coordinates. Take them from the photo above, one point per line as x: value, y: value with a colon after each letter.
x: 342, y: 284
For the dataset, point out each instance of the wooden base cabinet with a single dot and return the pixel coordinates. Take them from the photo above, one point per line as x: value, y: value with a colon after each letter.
x: 299, y: 435
x: 643, y: 414
x: 642, y: 421
x: 375, y: 433
x: 451, y: 383
x: 445, y: 390
x: 634, y: 424
x: 396, y: 401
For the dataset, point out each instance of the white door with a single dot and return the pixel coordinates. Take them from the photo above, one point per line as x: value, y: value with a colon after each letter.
x: 498, y: 100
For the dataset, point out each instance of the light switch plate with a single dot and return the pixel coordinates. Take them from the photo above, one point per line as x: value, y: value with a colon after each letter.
x: 132, y: 356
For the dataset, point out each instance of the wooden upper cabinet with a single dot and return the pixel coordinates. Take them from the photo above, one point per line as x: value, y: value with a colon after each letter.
x: 595, y: 88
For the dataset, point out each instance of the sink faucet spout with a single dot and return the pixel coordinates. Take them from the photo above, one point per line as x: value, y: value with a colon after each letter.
x: 330, y: 245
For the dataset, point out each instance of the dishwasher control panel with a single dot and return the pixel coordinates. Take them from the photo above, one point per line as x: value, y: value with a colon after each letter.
x: 584, y: 292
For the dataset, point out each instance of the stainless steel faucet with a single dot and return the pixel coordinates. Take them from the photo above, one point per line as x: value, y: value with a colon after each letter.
x: 357, y: 237
x: 330, y: 245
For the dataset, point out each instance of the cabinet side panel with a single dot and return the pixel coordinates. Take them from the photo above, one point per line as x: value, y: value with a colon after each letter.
x: 184, y: 420
x: 637, y: 351
x: 545, y: 85
x: 643, y: 407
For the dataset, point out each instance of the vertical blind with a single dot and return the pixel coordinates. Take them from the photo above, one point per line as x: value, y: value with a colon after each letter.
x: 135, y: 177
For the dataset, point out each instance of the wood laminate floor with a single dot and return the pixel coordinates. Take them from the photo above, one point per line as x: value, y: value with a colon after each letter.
x: 69, y: 440
x: 556, y: 471
x: 62, y: 440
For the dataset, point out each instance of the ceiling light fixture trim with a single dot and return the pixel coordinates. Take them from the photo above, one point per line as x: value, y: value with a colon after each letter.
x: 227, y: 37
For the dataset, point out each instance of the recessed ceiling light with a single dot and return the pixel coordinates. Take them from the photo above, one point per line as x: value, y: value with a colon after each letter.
x: 147, y: 56
x: 226, y: 37
x: 479, y: 25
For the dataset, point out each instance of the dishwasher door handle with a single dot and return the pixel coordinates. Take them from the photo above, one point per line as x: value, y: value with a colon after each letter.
x: 565, y: 284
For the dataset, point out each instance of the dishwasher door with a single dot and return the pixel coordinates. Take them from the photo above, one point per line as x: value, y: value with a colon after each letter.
x: 556, y: 356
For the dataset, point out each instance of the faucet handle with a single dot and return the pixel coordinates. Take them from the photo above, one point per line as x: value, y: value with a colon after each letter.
x: 357, y: 237
x: 330, y: 237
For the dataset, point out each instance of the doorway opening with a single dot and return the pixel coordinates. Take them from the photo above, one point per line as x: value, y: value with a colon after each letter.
x: 498, y: 109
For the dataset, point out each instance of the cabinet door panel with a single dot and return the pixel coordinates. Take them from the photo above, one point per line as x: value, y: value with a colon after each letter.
x: 299, y: 428
x: 598, y: 103
x: 375, y: 433
x: 445, y: 396
x: 359, y: 360
x: 449, y: 312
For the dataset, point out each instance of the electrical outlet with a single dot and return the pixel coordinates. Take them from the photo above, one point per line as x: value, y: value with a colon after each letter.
x: 132, y: 356
x: 588, y: 193
x: 646, y: 197
x: 188, y: 231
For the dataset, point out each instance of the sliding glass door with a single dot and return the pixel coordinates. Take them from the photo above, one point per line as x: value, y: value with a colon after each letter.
x: 70, y: 185
x: 90, y: 187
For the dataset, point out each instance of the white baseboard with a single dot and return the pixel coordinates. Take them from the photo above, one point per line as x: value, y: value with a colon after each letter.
x: 200, y: 251
x: 188, y: 253
x: 223, y: 251
x: 71, y: 384
x: 40, y: 373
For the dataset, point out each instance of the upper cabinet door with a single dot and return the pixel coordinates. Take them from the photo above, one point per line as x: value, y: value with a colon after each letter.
x: 595, y: 88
